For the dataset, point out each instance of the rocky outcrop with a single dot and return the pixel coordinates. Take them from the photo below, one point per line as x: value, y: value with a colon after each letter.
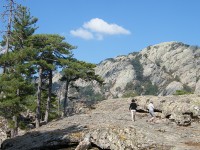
x: 3, y: 129
x: 167, y: 67
x: 109, y: 126
x: 172, y: 61
x: 116, y: 73
x: 180, y: 109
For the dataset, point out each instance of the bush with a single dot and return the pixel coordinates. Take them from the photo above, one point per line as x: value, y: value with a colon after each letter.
x: 53, y: 115
x: 22, y: 125
x: 181, y: 92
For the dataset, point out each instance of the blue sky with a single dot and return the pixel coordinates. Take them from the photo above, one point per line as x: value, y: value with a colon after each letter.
x: 104, y: 29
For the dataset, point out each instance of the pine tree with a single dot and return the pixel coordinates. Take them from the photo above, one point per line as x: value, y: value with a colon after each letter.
x: 74, y: 70
x: 49, y: 51
x: 23, y: 27
x: 15, y: 82
x: 9, y: 13
x: 15, y: 90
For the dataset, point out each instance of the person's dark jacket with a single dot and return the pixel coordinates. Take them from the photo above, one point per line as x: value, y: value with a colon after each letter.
x: 133, y: 106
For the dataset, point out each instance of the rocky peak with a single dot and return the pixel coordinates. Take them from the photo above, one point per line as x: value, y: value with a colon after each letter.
x: 160, y: 69
x: 173, y: 60
x: 170, y: 66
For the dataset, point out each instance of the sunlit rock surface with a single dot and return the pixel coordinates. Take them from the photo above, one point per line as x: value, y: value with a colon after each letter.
x: 170, y: 66
x: 109, y: 126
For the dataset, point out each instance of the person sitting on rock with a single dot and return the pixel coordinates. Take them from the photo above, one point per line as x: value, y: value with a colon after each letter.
x: 132, y: 108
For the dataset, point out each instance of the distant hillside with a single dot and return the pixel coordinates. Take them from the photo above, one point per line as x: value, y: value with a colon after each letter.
x: 160, y: 69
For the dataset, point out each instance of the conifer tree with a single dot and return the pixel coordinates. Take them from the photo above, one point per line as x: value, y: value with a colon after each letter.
x: 73, y: 70
x: 24, y: 26
x: 49, y: 51
x: 15, y: 82
x: 14, y: 92
x: 8, y: 14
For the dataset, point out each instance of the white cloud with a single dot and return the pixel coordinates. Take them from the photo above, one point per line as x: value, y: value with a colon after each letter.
x: 97, y: 28
x: 100, y: 26
x: 82, y: 33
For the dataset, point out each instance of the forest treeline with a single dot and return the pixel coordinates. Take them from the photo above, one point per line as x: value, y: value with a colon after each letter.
x: 28, y: 61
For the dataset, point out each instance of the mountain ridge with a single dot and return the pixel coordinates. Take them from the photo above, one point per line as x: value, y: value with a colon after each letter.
x: 161, y: 63
x: 160, y: 69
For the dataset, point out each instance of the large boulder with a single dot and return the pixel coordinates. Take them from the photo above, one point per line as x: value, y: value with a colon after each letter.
x: 180, y: 109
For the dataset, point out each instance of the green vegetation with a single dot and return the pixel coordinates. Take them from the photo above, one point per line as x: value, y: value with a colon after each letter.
x: 16, y: 86
x: 74, y: 70
x: 182, y: 92
x: 89, y: 94
x: 186, y: 90
x: 28, y: 65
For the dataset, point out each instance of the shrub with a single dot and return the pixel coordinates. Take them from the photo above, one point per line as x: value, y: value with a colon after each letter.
x: 22, y: 125
x: 181, y: 92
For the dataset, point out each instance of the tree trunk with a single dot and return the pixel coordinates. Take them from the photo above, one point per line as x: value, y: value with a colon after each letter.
x: 14, y: 130
x: 65, y: 99
x: 38, y: 113
x: 49, y: 98
x: 59, y: 97
x: 11, y: 3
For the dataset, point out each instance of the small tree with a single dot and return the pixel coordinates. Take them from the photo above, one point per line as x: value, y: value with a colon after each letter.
x: 74, y: 70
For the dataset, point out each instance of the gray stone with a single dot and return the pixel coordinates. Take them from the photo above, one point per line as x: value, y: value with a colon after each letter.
x: 109, y: 126
x: 169, y: 65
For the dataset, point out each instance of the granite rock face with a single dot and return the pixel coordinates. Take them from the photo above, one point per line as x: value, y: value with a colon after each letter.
x: 170, y: 66
x: 172, y: 61
x: 108, y: 126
